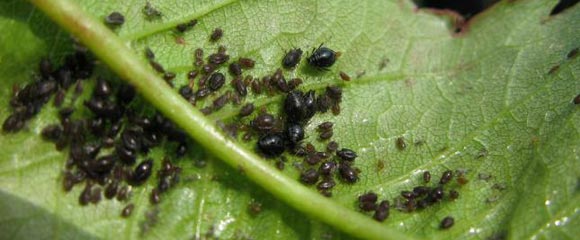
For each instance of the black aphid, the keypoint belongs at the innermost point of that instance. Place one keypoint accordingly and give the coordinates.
(168, 76)
(426, 176)
(294, 133)
(182, 27)
(218, 58)
(126, 212)
(401, 145)
(216, 81)
(157, 66)
(331, 147)
(155, 198)
(115, 19)
(235, 69)
(344, 76)
(325, 126)
(347, 173)
(326, 184)
(453, 194)
(309, 176)
(240, 86)
(142, 171)
(292, 58)
(198, 57)
(111, 189)
(446, 177)
(102, 88)
(382, 211)
(246, 110)
(216, 34)
(149, 53)
(246, 63)
(220, 102)
(447, 222)
(264, 122)
(577, 99)
(52, 132)
(151, 12)
(322, 58)
(327, 168)
(271, 145)
(407, 194)
(346, 154)
(367, 201)
(85, 196)
(326, 135)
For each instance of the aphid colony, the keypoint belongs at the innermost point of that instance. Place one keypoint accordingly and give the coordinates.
(420, 197)
(107, 149)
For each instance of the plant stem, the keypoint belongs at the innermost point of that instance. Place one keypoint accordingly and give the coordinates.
(133, 69)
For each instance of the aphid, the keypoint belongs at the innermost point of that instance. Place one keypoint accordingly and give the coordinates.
(426, 176)
(67, 181)
(156, 66)
(206, 110)
(222, 49)
(95, 195)
(125, 94)
(246, 63)
(111, 189)
(235, 69)
(198, 53)
(208, 68)
(186, 92)
(256, 87)
(181, 150)
(447, 222)
(155, 198)
(420, 191)
(186, 26)
(294, 83)
(123, 193)
(294, 106)
(383, 63)
(216, 34)
(271, 145)
(401, 145)
(327, 168)
(220, 102)
(446, 177)
(322, 58)
(309, 104)
(280, 165)
(382, 211)
(131, 139)
(461, 179)
(334, 92)
(347, 173)
(292, 58)
(312, 159)
(332, 146)
(168, 76)
(142, 171)
(294, 133)
(437, 194)
(407, 194)
(453, 194)
(264, 122)
(246, 110)
(103, 164)
(218, 58)
(309, 176)
(282, 84)
(45, 67)
(573, 53)
(149, 54)
(326, 135)
(216, 81)
(126, 212)
(102, 88)
(115, 19)
(202, 93)
(367, 201)
(344, 76)
(254, 208)
(52, 132)
(346, 154)
(85, 196)
(240, 86)
(325, 126)
(577, 99)
(150, 12)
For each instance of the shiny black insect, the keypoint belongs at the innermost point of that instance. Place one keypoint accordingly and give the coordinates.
(401, 145)
(142, 171)
(447, 222)
(309, 176)
(235, 69)
(327, 168)
(382, 211)
(294, 133)
(322, 58)
(216, 34)
(346, 154)
(426, 176)
(367, 201)
(126, 212)
(155, 198)
(216, 81)
(292, 58)
(111, 189)
(347, 173)
(115, 19)
(446, 177)
(271, 145)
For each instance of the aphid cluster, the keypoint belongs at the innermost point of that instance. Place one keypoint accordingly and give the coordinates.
(420, 197)
(107, 149)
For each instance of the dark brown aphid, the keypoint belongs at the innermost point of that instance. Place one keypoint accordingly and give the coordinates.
(52, 132)
(216, 81)
(382, 211)
(142, 171)
(216, 34)
(326, 184)
(186, 26)
(246, 110)
(198, 57)
(573, 53)
(325, 126)
(206, 110)
(149, 54)
(264, 122)
(123, 193)
(577, 99)
(294, 83)
(367, 201)
(85, 196)
(256, 87)
(346, 154)
(157, 66)
(447, 222)
(420, 191)
(292, 58)
(309, 176)
(151, 12)
(115, 19)
(95, 195)
(111, 189)
(155, 198)
(453, 194)
(220, 102)
(218, 58)
(202, 93)
(407, 194)
(437, 194)
(168, 76)
(401, 144)
(254, 208)
(246, 63)
(235, 69)
(347, 173)
(327, 168)
(332, 146)
(426, 176)
(240, 86)
(554, 69)
(68, 181)
(208, 68)
(126, 212)
(59, 98)
(344, 76)
(446, 177)
(326, 135)
(335, 109)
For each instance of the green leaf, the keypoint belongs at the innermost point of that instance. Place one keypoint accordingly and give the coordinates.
(485, 102)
